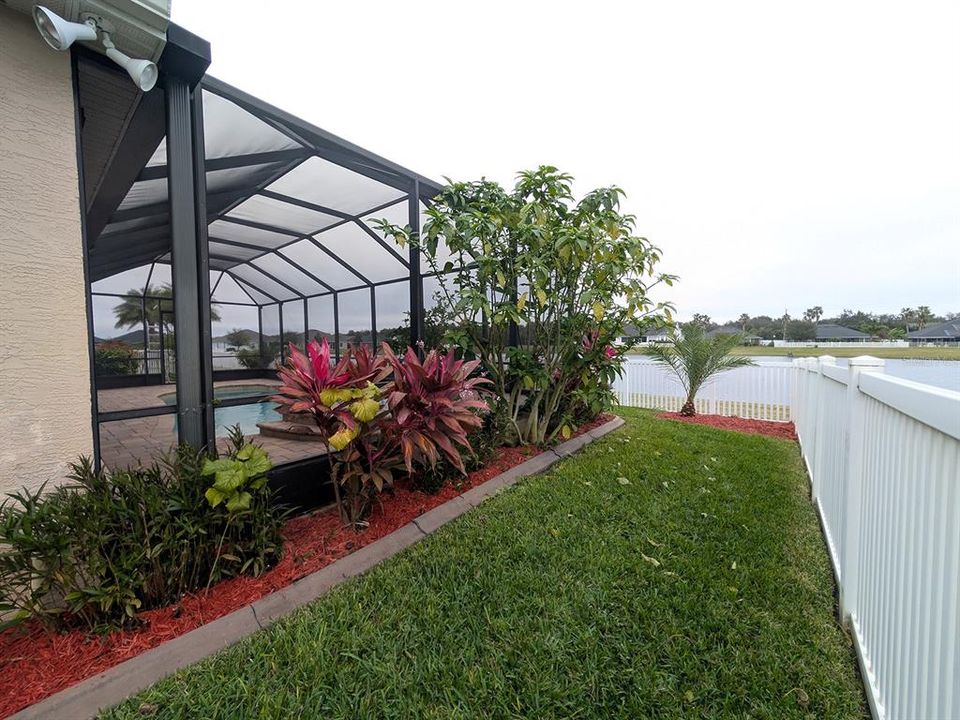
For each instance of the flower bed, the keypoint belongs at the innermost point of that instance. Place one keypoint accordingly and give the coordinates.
(35, 663)
(782, 430)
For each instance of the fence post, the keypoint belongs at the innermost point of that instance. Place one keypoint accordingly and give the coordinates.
(854, 481)
(815, 457)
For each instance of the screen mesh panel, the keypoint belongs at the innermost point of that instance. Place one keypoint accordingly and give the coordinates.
(308, 256)
(273, 180)
(322, 182)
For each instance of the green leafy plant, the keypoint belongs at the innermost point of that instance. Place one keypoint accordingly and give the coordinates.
(695, 358)
(115, 358)
(555, 268)
(96, 551)
(237, 475)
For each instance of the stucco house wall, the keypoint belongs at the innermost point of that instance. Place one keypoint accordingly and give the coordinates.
(44, 366)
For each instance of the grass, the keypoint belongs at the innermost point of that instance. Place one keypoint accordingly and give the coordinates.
(668, 571)
(890, 353)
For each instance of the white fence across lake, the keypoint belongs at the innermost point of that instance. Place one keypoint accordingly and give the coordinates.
(883, 455)
(760, 392)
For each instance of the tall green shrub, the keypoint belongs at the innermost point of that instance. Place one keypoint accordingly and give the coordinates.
(115, 358)
(560, 269)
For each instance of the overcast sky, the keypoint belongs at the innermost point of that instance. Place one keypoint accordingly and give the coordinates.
(781, 155)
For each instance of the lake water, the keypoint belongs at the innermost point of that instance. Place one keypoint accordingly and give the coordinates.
(941, 373)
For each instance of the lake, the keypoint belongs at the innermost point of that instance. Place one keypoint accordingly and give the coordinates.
(941, 373)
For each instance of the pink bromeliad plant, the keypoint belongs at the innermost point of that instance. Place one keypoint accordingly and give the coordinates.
(344, 401)
(433, 406)
(379, 414)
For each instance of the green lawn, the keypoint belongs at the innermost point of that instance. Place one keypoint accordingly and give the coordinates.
(669, 571)
(890, 353)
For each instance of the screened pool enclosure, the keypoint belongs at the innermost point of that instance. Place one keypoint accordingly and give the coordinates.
(241, 228)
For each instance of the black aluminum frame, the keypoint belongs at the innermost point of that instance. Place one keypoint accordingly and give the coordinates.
(191, 209)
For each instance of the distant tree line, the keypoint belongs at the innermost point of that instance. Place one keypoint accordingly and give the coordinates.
(884, 326)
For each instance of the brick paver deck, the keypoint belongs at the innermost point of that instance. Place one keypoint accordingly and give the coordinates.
(124, 443)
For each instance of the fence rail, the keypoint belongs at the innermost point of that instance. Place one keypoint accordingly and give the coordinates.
(884, 459)
(883, 455)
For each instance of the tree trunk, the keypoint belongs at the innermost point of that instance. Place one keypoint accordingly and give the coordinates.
(688, 409)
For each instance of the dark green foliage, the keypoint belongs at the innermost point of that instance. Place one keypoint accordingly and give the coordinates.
(94, 552)
(670, 571)
(115, 358)
(535, 257)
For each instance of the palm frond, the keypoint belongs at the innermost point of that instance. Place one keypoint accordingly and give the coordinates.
(695, 358)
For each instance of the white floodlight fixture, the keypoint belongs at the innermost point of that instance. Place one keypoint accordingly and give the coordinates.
(60, 34)
(143, 72)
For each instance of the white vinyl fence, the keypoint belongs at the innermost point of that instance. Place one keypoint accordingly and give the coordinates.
(759, 392)
(884, 459)
(883, 455)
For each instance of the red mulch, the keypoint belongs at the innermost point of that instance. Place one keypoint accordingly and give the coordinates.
(35, 663)
(782, 430)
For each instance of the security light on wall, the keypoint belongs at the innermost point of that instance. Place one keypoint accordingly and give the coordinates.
(143, 72)
(60, 34)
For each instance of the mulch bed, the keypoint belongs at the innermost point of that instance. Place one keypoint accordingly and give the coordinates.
(35, 663)
(782, 430)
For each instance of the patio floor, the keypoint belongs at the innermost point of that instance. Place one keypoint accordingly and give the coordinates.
(124, 443)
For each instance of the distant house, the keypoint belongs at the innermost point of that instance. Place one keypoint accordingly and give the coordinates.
(828, 332)
(633, 335)
(937, 334)
(735, 330)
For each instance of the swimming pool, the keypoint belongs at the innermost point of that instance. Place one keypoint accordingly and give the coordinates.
(246, 416)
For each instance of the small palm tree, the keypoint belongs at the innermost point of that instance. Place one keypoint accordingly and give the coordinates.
(695, 358)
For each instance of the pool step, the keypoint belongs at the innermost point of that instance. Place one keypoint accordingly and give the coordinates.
(290, 431)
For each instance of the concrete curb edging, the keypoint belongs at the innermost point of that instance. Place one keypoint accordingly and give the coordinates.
(113, 686)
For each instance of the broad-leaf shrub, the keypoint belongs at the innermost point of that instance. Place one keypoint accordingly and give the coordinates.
(115, 358)
(96, 551)
(235, 478)
(344, 401)
(557, 268)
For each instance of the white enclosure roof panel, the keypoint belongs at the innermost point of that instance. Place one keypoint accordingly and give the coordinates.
(245, 234)
(314, 260)
(230, 130)
(293, 218)
(322, 182)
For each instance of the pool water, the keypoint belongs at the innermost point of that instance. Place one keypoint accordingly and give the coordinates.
(246, 416)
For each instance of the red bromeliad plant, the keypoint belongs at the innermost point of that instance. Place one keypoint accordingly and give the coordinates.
(344, 401)
(433, 406)
(430, 407)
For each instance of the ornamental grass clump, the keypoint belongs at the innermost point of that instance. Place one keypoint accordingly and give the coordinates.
(380, 415)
